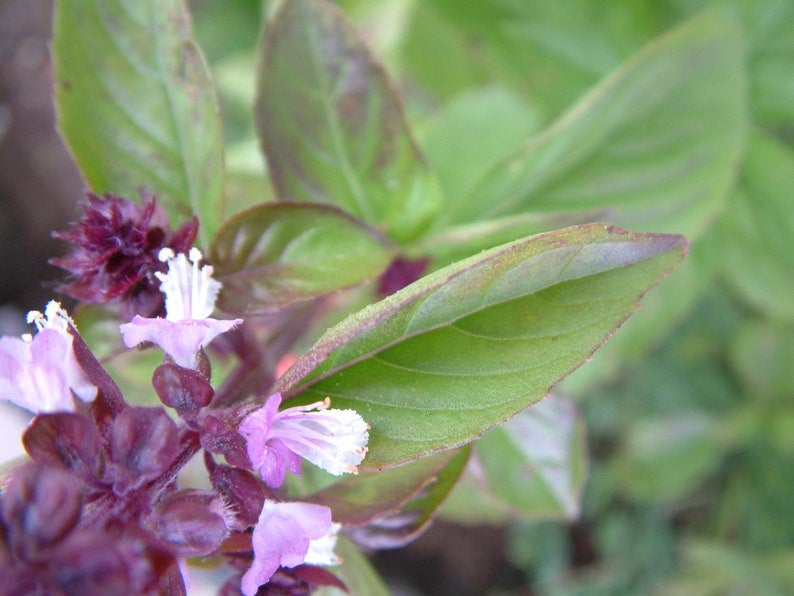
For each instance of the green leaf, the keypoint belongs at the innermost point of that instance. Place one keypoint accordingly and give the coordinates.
(473, 132)
(769, 27)
(553, 51)
(537, 461)
(761, 355)
(332, 126)
(667, 458)
(136, 104)
(656, 142)
(661, 313)
(467, 347)
(759, 227)
(404, 526)
(362, 499)
(275, 254)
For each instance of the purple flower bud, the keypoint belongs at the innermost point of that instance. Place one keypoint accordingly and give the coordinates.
(219, 435)
(118, 242)
(192, 522)
(143, 443)
(183, 389)
(39, 506)
(244, 494)
(66, 440)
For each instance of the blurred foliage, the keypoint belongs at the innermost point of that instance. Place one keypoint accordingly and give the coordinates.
(689, 411)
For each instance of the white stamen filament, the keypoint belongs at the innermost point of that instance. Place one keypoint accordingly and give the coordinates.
(54, 317)
(190, 290)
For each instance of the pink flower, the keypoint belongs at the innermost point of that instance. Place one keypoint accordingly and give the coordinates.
(190, 295)
(334, 440)
(288, 535)
(41, 373)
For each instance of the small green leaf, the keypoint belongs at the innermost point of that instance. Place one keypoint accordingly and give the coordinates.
(332, 126)
(656, 142)
(536, 462)
(275, 254)
(467, 347)
(360, 500)
(390, 508)
(136, 105)
(759, 227)
(404, 526)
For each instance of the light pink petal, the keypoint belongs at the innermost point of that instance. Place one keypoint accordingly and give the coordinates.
(282, 537)
(181, 340)
(41, 375)
(14, 358)
(334, 440)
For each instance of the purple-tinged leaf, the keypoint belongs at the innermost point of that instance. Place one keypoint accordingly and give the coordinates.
(275, 254)
(67, 440)
(395, 530)
(143, 443)
(332, 126)
(471, 345)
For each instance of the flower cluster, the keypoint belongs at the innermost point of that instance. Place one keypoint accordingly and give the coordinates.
(99, 508)
(116, 260)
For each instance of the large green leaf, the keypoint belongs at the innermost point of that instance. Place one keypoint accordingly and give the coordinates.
(537, 462)
(769, 27)
(472, 132)
(136, 105)
(657, 141)
(759, 228)
(467, 347)
(332, 126)
(552, 50)
(278, 253)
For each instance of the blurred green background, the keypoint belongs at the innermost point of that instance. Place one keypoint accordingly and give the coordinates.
(689, 411)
